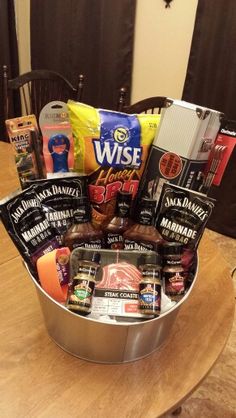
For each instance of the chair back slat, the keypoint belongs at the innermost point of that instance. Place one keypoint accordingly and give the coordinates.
(150, 105)
(80, 88)
(39, 87)
(26, 100)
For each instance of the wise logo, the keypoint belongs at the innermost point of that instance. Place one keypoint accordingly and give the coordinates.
(119, 143)
(121, 135)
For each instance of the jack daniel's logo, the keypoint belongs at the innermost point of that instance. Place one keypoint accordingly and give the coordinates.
(23, 207)
(187, 204)
(183, 214)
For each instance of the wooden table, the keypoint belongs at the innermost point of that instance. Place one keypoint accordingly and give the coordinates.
(38, 379)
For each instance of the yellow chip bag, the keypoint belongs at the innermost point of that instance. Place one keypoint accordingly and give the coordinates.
(111, 148)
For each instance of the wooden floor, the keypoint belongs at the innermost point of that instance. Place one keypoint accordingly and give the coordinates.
(216, 397)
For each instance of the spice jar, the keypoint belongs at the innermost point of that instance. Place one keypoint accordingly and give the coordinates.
(173, 271)
(150, 285)
(81, 287)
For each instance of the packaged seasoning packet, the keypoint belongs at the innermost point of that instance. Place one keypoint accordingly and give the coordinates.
(111, 148)
(27, 225)
(56, 197)
(58, 142)
(24, 138)
(182, 215)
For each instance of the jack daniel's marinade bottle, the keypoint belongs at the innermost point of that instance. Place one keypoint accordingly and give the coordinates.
(120, 222)
(143, 234)
(82, 233)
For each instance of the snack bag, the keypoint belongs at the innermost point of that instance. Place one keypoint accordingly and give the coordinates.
(182, 215)
(26, 223)
(23, 136)
(57, 196)
(111, 148)
(58, 149)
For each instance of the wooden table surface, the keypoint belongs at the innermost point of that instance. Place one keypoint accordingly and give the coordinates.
(38, 379)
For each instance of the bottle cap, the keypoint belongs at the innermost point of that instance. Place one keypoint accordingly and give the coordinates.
(123, 196)
(81, 209)
(172, 248)
(81, 200)
(123, 203)
(146, 212)
(150, 259)
(148, 202)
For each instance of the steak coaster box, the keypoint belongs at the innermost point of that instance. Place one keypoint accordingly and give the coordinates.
(181, 147)
(117, 284)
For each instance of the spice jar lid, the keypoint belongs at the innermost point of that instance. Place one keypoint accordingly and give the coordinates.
(150, 259)
(172, 248)
(92, 256)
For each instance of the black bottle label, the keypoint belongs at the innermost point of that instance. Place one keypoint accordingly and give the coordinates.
(114, 241)
(139, 245)
(123, 209)
(150, 297)
(82, 214)
(146, 216)
(174, 284)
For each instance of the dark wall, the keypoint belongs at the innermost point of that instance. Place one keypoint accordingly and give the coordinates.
(8, 52)
(93, 37)
(211, 81)
(211, 74)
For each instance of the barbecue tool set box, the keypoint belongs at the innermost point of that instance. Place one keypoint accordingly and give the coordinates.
(109, 217)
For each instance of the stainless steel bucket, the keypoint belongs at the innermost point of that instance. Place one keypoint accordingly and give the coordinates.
(105, 342)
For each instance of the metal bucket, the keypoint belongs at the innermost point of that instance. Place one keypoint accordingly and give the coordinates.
(102, 342)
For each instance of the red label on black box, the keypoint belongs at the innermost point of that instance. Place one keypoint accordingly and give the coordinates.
(170, 165)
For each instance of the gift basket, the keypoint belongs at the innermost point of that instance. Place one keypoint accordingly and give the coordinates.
(108, 220)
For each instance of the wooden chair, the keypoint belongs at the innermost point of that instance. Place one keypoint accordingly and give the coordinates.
(37, 88)
(149, 105)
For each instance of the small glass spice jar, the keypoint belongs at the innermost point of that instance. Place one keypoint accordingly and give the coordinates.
(150, 285)
(173, 271)
(81, 287)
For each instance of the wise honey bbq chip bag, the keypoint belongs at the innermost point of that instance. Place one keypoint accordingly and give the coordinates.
(111, 148)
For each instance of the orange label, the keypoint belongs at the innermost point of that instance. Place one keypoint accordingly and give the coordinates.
(131, 307)
(170, 165)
